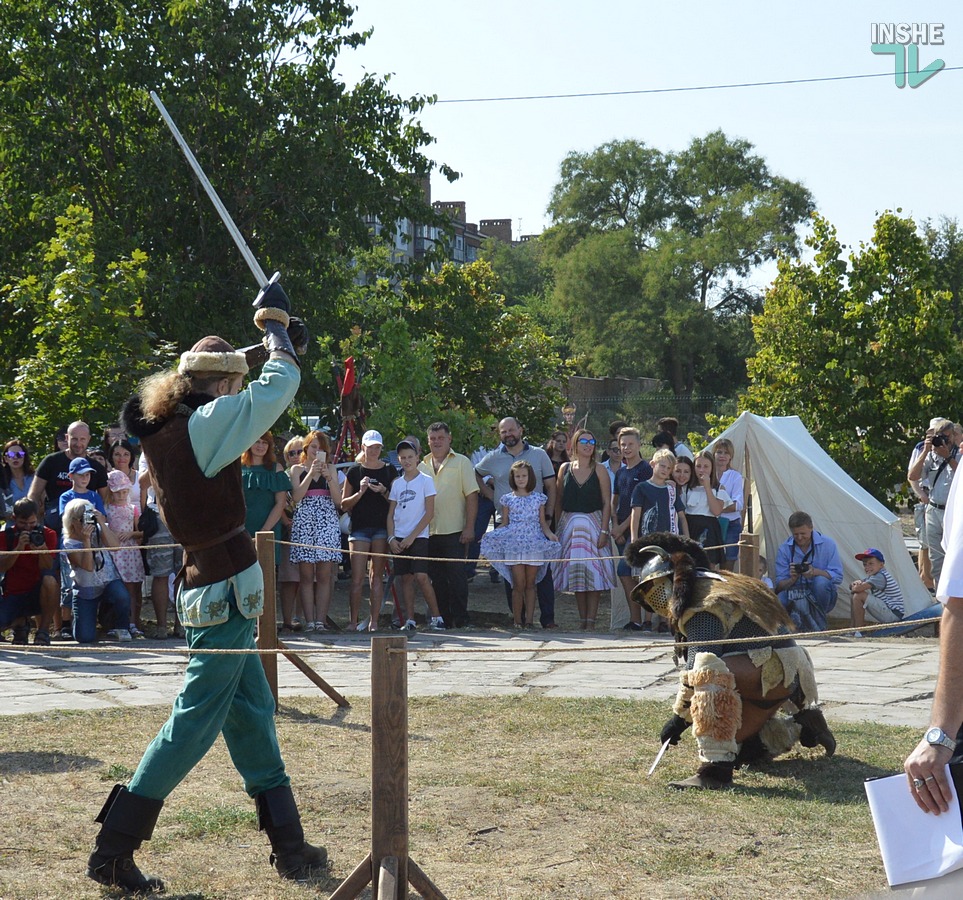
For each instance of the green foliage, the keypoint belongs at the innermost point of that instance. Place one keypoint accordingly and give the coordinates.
(89, 341)
(446, 347)
(650, 252)
(302, 161)
(861, 348)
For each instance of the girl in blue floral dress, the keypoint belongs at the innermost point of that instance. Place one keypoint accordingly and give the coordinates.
(521, 549)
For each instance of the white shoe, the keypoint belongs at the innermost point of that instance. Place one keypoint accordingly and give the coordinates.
(437, 624)
(119, 634)
(857, 634)
(309, 627)
(363, 626)
(411, 625)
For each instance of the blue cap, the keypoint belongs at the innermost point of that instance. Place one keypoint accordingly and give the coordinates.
(80, 465)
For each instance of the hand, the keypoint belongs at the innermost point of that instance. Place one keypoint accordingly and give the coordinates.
(273, 297)
(22, 541)
(299, 334)
(468, 535)
(392, 543)
(928, 764)
(602, 542)
(87, 531)
(673, 730)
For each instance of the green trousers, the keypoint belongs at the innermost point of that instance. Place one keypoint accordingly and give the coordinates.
(222, 694)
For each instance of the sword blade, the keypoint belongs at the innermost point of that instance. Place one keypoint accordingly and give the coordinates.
(252, 263)
(658, 757)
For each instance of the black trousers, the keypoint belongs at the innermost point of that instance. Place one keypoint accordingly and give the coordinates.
(449, 579)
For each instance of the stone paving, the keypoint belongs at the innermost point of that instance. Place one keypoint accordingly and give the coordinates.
(888, 680)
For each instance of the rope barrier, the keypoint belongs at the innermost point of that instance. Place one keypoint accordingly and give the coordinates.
(303, 649)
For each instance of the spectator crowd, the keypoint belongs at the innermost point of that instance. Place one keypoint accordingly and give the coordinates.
(84, 543)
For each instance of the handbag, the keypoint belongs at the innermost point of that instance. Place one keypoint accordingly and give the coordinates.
(149, 523)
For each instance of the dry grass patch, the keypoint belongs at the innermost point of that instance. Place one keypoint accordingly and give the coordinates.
(509, 798)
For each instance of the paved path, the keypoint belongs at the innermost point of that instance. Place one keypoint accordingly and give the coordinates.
(884, 680)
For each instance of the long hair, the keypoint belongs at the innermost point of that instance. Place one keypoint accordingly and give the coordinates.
(324, 445)
(575, 438)
(27, 465)
(270, 462)
(713, 478)
(160, 393)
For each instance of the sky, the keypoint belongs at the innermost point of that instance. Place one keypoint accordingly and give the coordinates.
(861, 146)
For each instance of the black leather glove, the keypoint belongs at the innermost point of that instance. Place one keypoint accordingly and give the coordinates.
(258, 354)
(276, 338)
(273, 296)
(673, 730)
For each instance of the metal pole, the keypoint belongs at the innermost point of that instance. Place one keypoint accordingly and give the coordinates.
(252, 263)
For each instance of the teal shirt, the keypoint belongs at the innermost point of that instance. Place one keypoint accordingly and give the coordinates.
(220, 431)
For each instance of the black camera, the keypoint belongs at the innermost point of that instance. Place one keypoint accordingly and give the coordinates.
(800, 568)
(37, 538)
(939, 440)
(90, 515)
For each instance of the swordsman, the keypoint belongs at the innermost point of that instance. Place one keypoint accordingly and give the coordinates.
(193, 424)
(732, 693)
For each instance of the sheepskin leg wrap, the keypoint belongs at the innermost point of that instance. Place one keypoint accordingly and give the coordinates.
(683, 699)
(780, 734)
(716, 709)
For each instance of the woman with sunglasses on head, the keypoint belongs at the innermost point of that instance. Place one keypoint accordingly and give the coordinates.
(583, 510)
(16, 474)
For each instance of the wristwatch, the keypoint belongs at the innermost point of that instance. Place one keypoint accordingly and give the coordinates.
(936, 737)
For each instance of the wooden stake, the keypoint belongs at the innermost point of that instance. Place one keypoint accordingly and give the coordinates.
(267, 629)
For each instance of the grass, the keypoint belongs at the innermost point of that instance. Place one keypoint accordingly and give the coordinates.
(523, 797)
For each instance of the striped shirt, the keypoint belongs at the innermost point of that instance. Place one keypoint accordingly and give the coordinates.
(884, 586)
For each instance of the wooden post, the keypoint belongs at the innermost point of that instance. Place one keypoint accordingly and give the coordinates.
(389, 759)
(749, 554)
(267, 624)
(387, 868)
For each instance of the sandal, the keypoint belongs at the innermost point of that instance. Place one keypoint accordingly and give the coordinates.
(41, 639)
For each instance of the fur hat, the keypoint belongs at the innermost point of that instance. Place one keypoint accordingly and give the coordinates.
(212, 354)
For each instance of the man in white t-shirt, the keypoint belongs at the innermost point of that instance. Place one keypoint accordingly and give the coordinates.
(411, 507)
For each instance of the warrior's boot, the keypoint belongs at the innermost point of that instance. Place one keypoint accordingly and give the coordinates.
(753, 751)
(815, 730)
(292, 855)
(126, 821)
(712, 776)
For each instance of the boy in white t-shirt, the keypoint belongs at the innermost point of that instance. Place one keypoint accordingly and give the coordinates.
(411, 507)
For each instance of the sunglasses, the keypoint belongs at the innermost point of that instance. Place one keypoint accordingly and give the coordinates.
(15, 454)
(294, 452)
(590, 441)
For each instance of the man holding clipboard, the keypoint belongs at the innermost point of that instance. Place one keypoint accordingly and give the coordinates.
(926, 765)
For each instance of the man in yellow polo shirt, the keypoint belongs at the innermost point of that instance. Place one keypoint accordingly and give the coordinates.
(453, 527)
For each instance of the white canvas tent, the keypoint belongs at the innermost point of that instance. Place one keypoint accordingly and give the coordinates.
(789, 471)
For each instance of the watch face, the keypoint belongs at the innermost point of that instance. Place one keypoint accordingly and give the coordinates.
(933, 735)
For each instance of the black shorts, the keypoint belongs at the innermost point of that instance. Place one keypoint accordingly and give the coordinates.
(404, 565)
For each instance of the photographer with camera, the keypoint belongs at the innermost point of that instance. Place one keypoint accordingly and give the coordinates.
(808, 574)
(932, 470)
(99, 592)
(30, 587)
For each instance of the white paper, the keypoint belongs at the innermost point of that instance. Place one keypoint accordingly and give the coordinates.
(915, 845)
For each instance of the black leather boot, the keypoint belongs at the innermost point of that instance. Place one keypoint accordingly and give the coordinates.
(815, 730)
(711, 776)
(126, 821)
(292, 855)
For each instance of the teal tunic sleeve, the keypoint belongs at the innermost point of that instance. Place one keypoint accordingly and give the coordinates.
(223, 429)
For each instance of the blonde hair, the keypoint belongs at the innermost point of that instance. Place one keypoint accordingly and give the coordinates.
(664, 453)
(73, 512)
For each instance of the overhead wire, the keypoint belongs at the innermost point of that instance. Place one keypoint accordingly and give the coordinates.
(677, 90)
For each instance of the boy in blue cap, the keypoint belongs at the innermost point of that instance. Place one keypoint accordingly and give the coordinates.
(877, 594)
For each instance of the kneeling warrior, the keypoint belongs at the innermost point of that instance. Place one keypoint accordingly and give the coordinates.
(194, 423)
(731, 693)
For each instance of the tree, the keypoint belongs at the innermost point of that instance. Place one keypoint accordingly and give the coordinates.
(447, 347)
(90, 342)
(860, 348)
(303, 162)
(679, 232)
